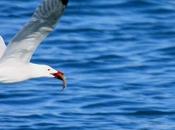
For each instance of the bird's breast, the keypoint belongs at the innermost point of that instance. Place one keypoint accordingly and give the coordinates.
(12, 73)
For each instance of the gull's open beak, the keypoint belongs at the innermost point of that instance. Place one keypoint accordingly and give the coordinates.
(60, 75)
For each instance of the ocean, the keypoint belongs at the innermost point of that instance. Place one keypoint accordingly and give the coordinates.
(119, 60)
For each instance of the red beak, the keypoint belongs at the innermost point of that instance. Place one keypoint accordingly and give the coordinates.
(60, 75)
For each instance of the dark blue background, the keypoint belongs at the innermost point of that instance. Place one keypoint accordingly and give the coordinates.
(119, 59)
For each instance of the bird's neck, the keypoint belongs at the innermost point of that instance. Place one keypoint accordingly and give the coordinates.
(37, 71)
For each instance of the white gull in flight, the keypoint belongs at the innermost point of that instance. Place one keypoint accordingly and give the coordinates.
(15, 59)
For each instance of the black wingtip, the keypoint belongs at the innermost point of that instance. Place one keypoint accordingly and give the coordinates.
(65, 2)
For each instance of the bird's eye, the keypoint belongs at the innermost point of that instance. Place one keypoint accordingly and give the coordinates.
(48, 69)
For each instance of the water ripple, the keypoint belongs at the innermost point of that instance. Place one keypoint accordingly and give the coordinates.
(118, 57)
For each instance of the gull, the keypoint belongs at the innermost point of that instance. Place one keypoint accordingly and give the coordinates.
(15, 65)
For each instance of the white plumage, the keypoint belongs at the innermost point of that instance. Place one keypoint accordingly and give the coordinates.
(2, 46)
(15, 59)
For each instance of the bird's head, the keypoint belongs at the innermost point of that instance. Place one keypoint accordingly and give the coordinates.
(47, 71)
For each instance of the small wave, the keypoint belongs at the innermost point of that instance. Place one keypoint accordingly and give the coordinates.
(151, 113)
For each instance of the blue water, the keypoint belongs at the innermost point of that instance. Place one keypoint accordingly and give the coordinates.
(119, 59)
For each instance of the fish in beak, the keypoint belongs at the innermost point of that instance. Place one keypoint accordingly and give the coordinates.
(59, 75)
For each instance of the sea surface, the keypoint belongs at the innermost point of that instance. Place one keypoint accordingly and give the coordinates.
(119, 60)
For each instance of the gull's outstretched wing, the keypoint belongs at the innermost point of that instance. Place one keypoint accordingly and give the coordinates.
(2, 46)
(27, 40)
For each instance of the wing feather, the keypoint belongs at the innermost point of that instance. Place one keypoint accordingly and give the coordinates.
(35, 31)
(2, 46)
